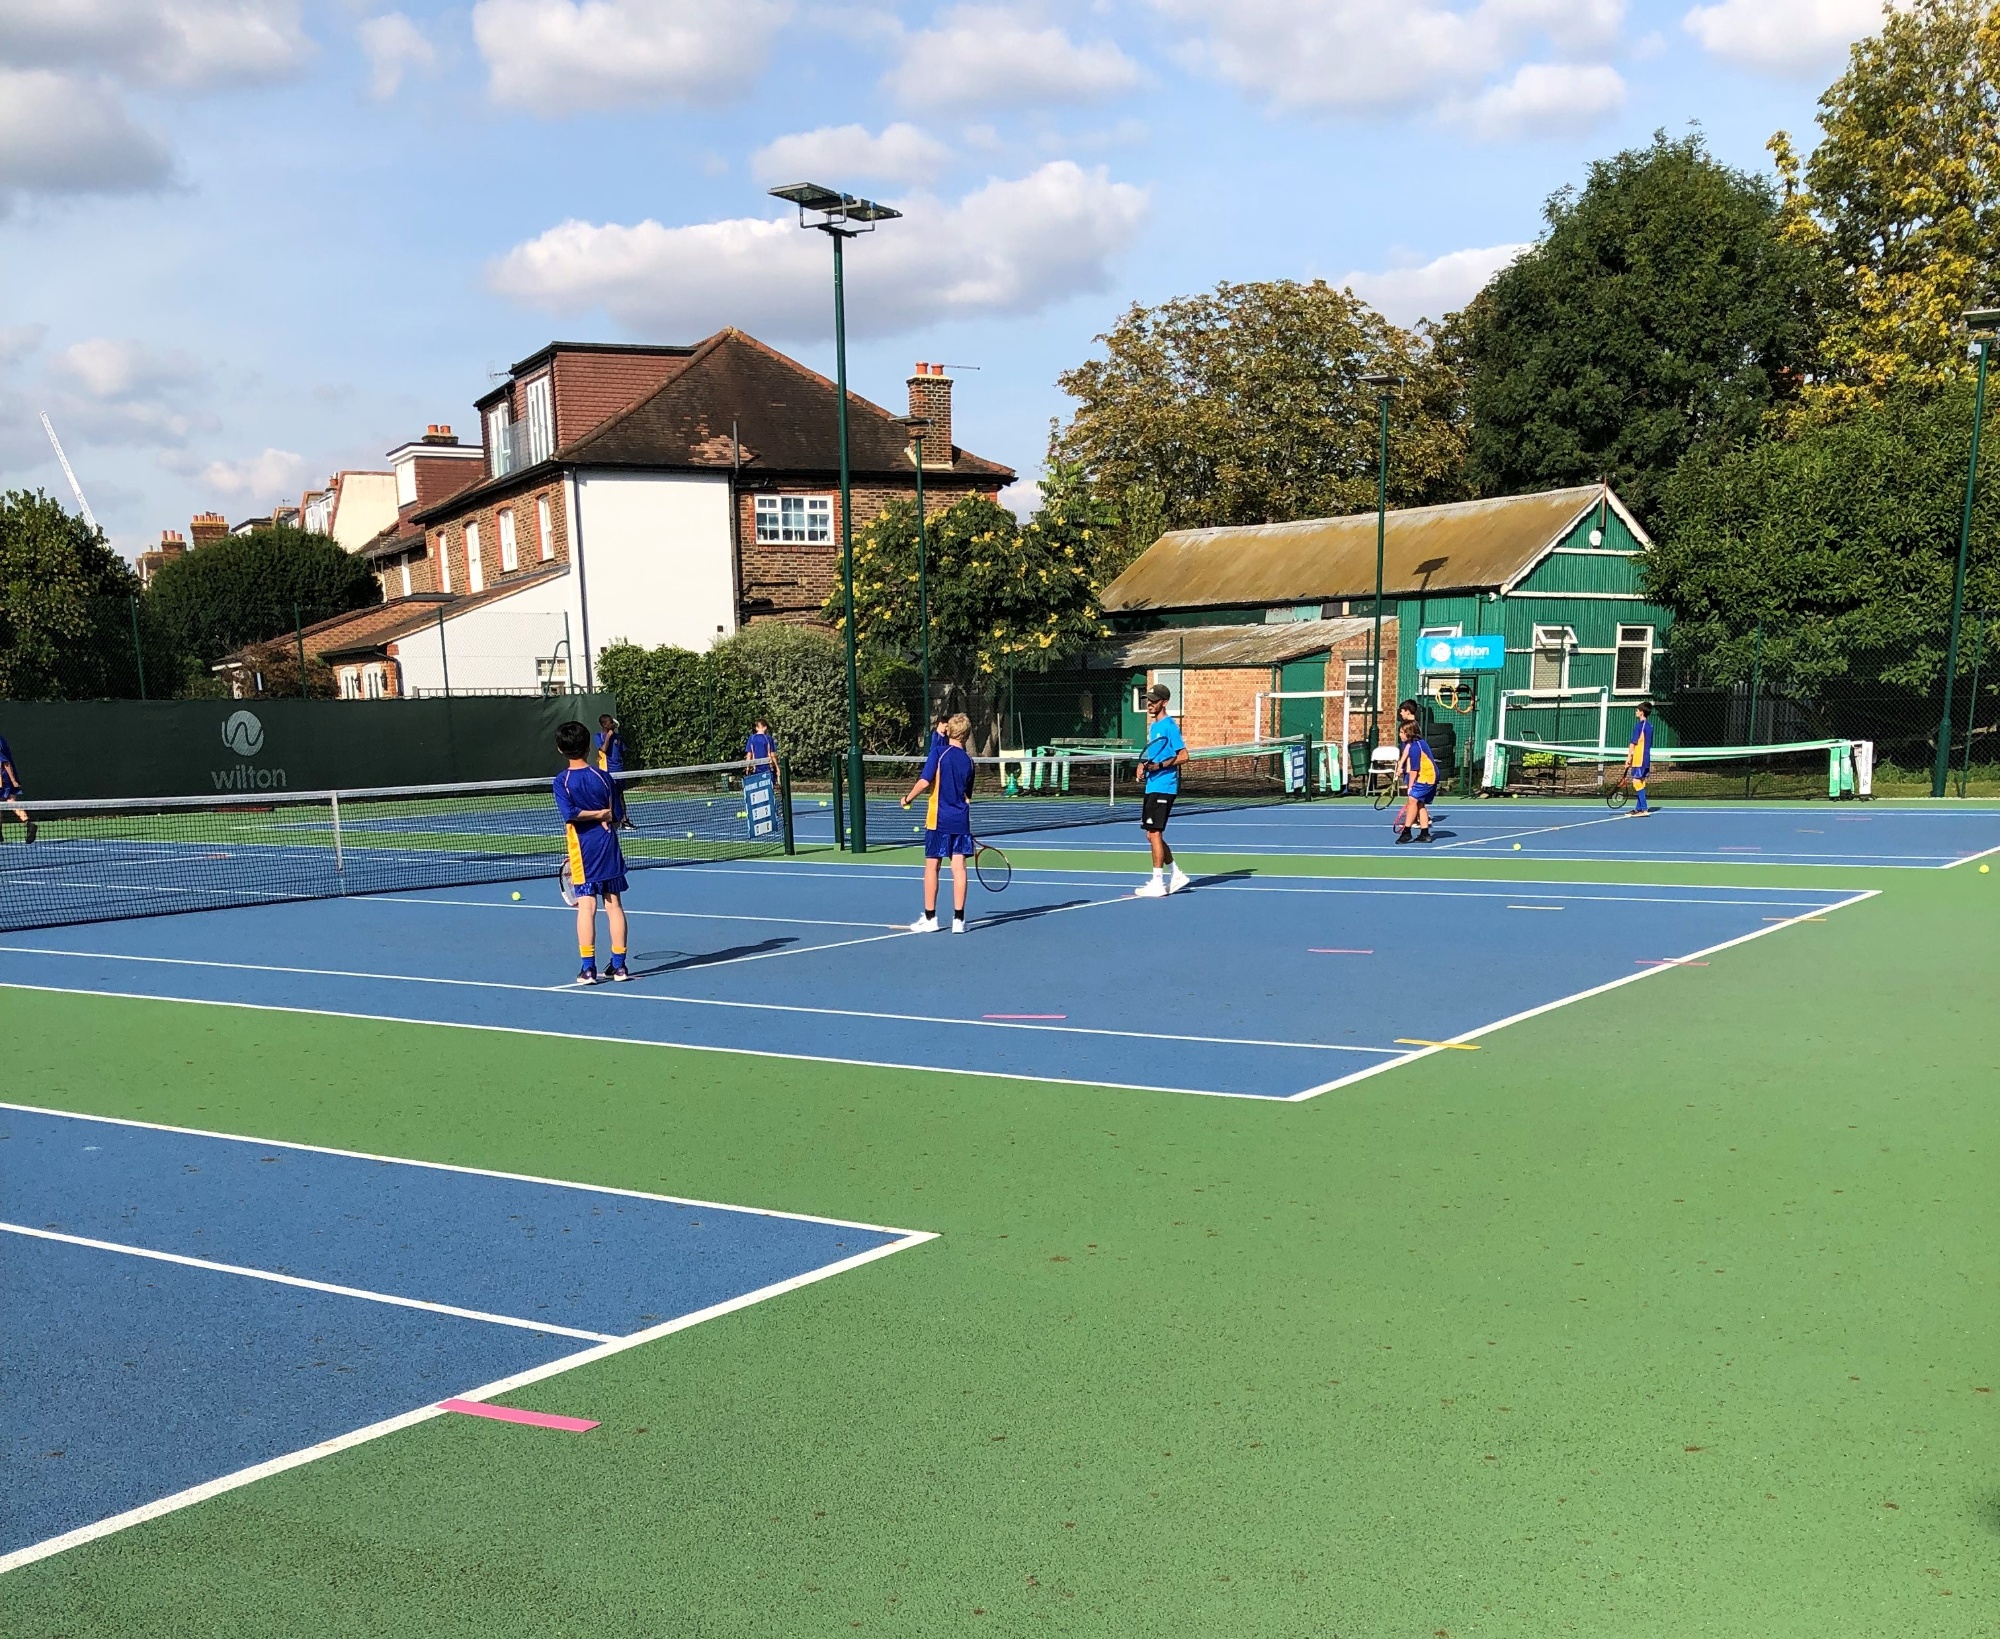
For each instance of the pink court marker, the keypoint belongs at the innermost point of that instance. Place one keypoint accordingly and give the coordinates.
(1332, 950)
(507, 1414)
(1024, 1015)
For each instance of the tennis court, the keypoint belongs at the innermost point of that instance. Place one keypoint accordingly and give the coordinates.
(1304, 986)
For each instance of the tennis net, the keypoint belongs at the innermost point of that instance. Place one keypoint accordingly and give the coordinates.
(1803, 768)
(95, 861)
(1046, 790)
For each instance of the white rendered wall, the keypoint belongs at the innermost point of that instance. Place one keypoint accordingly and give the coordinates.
(363, 508)
(494, 646)
(657, 566)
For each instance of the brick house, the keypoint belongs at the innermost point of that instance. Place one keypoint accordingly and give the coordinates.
(665, 495)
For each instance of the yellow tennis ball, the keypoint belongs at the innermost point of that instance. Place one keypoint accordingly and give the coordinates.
(517, 896)
(1984, 869)
(1517, 847)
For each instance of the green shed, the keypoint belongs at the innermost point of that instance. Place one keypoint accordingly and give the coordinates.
(1557, 573)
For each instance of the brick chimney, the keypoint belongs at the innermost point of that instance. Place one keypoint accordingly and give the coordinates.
(930, 395)
(171, 546)
(437, 433)
(205, 527)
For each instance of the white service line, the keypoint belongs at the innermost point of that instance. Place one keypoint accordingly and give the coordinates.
(1540, 830)
(565, 910)
(310, 1285)
(409, 1419)
(1581, 995)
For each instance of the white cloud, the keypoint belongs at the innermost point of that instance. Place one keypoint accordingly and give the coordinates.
(901, 153)
(272, 476)
(1430, 290)
(989, 56)
(186, 45)
(1011, 247)
(124, 392)
(1547, 99)
(571, 56)
(1785, 37)
(107, 369)
(1362, 56)
(393, 45)
(17, 341)
(63, 133)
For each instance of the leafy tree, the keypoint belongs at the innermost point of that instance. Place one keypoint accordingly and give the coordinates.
(1840, 543)
(66, 615)
(251, 588)
(1662, 311)
(677, 707)
(798, 679)
(1245, 405)
(1900, 200)
(276, 664)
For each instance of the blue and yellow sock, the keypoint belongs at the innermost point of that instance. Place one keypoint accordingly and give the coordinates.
(617, 958)
(589, 955)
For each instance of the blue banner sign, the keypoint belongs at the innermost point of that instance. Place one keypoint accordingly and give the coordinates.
(760, 805)
(1462, 654)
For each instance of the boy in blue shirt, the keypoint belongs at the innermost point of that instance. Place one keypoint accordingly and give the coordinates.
(1639, 756)
(1419, 774)
(592, 808)
(947, 777)
(760, 751)
(1160, 764)
(10, 788)
(610, 745)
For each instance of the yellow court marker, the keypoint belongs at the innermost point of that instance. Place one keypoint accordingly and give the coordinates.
(1462, 1046)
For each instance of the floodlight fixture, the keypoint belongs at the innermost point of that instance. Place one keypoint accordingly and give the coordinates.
(1385, 382)
(838, 209)
(1982, 318)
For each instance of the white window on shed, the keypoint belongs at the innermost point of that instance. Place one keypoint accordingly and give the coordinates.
(1634, 671)
(371, 683)
(1548, 666)
(350, 683)
(794, 519)
(544, 528)
(475, 570)
(1360, 682)
(510, 555)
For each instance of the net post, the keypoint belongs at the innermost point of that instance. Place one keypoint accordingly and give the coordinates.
(339, 855)
(839, 810)
(785, 800)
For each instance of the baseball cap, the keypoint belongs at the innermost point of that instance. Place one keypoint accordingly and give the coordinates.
(1159, 692)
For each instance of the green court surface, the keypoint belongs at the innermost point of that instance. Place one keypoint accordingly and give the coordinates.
(1668, 1312)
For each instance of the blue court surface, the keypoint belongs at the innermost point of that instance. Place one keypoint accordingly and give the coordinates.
(1821, 834)
(185, 1311)
(1275, 987)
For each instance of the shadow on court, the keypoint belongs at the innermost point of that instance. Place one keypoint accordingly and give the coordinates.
(679, 961)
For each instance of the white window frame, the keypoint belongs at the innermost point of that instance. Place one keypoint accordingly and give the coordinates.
(371, 683)
(475, 567)
(510, 552)
(794, 520)
(1356, 670)
(350, 683)
(545, 527)
(406, 574)
(444, 560)
(1546, 638)
(1644, 642)
(539, 418)
(499, 445)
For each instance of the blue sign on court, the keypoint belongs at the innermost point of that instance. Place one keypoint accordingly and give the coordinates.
(760, 805)
(1462, 654)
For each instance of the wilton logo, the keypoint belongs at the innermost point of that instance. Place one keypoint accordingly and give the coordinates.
(243, 734)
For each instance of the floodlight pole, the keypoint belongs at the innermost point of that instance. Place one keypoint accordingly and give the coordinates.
(1941, 766)
(1382, 384)
(857, 791)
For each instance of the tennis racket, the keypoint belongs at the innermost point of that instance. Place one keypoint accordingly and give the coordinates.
(1621, 791)
(991, 867)
(1385, 795)
(564, 886)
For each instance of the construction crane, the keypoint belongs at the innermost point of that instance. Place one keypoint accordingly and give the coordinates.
(76, 489)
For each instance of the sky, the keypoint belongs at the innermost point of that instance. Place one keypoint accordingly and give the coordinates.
(247, 243)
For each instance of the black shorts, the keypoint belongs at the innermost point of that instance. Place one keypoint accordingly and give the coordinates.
(1154, 807)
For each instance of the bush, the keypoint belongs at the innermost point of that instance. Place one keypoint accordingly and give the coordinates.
(798, 680)
(678, 707)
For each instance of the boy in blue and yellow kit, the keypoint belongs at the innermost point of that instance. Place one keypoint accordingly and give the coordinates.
(1419, 773)
(947, 776)
(1639, 756)
(592, 808)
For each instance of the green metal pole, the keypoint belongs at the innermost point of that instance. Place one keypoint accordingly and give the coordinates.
(1972, 702)
(857, 794)
(1381, 533)
(138, 649)
(1756, 669)
(1942, 766)
(923, 596)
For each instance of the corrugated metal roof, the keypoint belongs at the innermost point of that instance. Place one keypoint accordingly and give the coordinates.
(1232, 645)
(1465, 546)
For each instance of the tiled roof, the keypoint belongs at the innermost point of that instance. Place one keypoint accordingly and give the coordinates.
(782, 413)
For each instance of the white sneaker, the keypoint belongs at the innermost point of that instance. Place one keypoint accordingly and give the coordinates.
(958, 924)
(924, 924)
(1154, 887)
(1177, 881)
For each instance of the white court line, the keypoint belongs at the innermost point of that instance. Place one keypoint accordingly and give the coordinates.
(1564, 1001)
(409, 1419)
(1540, 830)
(633, 1041)
(310, 1285)
(685, 1001)
(1967, 859)
(564, 910)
